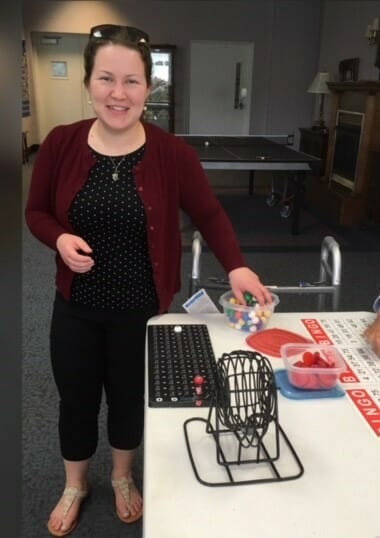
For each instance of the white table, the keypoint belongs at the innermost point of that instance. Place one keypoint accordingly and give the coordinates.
(338, 496)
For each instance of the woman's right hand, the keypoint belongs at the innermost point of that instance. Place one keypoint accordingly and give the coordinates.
(372, 334)
(75, 252)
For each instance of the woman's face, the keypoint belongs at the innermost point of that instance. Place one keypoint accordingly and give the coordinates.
(118, 88)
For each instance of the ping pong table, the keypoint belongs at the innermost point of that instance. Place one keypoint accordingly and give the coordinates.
(251, 153)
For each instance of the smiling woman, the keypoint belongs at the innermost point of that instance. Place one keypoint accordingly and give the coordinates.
(118, 94)
(118, 97)
(113, 224)
(88, 231)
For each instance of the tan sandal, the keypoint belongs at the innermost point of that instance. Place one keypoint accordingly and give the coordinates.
(69, 495)
(123, 485)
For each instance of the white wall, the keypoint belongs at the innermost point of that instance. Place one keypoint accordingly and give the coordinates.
(273, 25)
(344, 24)
(293, 38)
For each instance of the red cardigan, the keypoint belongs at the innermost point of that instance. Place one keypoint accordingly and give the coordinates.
(169, 178)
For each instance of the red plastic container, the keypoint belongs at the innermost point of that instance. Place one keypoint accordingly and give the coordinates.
(312, 366)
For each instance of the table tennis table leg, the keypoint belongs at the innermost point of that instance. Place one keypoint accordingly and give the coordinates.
(299, 180)
(251, 187)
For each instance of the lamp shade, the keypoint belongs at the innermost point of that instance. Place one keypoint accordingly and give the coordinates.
(319, 83)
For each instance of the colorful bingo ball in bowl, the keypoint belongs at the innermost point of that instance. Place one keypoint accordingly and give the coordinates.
(312, 366)
(250, 318)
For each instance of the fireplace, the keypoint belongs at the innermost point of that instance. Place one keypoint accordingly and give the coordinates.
(347, 139)
(342, 196)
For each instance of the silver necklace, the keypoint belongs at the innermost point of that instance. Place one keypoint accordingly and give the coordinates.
(115, 172)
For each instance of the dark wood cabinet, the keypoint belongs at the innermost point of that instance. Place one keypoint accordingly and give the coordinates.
(373, 200)
(314, 142)
(353, 205)
(348, 192)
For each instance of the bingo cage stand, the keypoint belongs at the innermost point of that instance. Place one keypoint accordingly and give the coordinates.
(328, 284)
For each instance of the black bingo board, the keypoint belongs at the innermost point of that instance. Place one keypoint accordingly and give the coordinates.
(176, 354)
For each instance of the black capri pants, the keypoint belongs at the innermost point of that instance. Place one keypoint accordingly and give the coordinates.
(91, 351)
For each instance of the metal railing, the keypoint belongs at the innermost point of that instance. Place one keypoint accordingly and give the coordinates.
(329, 282)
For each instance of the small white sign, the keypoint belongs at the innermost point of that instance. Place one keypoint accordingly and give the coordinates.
(200, 303)
(59, 69)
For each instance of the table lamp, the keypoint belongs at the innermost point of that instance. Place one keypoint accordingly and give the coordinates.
(319, 86)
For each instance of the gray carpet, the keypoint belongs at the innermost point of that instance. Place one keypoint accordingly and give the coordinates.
(264, 229)
(42, 469)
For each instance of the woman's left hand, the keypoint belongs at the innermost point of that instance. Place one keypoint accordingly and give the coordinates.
(243, 279)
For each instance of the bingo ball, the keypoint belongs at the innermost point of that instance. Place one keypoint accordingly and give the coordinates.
(251, 318)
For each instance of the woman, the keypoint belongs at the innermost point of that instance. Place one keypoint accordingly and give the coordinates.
(106, 194)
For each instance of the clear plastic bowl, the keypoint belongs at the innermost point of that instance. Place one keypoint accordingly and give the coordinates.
(247, 318)
(312, 366)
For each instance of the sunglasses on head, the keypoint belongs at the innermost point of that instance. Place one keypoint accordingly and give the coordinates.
(108, 31)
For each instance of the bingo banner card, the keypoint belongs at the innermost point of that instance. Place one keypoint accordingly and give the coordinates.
(361, 379)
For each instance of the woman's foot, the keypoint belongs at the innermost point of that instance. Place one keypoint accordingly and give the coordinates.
(129, 503)
(64, 517)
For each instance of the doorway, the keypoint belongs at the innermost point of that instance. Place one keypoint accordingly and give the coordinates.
(60, 95)
(220, 87)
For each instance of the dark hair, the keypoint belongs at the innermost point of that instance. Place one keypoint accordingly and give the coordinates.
(117, 35)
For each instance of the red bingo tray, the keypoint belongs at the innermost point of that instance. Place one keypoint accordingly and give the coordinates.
(269, 341)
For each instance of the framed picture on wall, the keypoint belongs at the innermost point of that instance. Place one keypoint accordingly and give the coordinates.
(348, 69)
(58, 69)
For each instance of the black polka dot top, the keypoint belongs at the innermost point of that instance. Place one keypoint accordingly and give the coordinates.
(109, 215)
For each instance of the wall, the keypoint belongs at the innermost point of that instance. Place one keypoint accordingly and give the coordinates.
(282, 30)
(344, 23)
(61, 17)
(293, 39)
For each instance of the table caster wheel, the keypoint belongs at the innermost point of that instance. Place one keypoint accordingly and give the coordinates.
(286, 211)
(273, 199)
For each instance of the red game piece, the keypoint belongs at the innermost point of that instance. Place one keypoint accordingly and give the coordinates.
(299, 379)
(327, 381)
(308, 358)
(199, 382)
